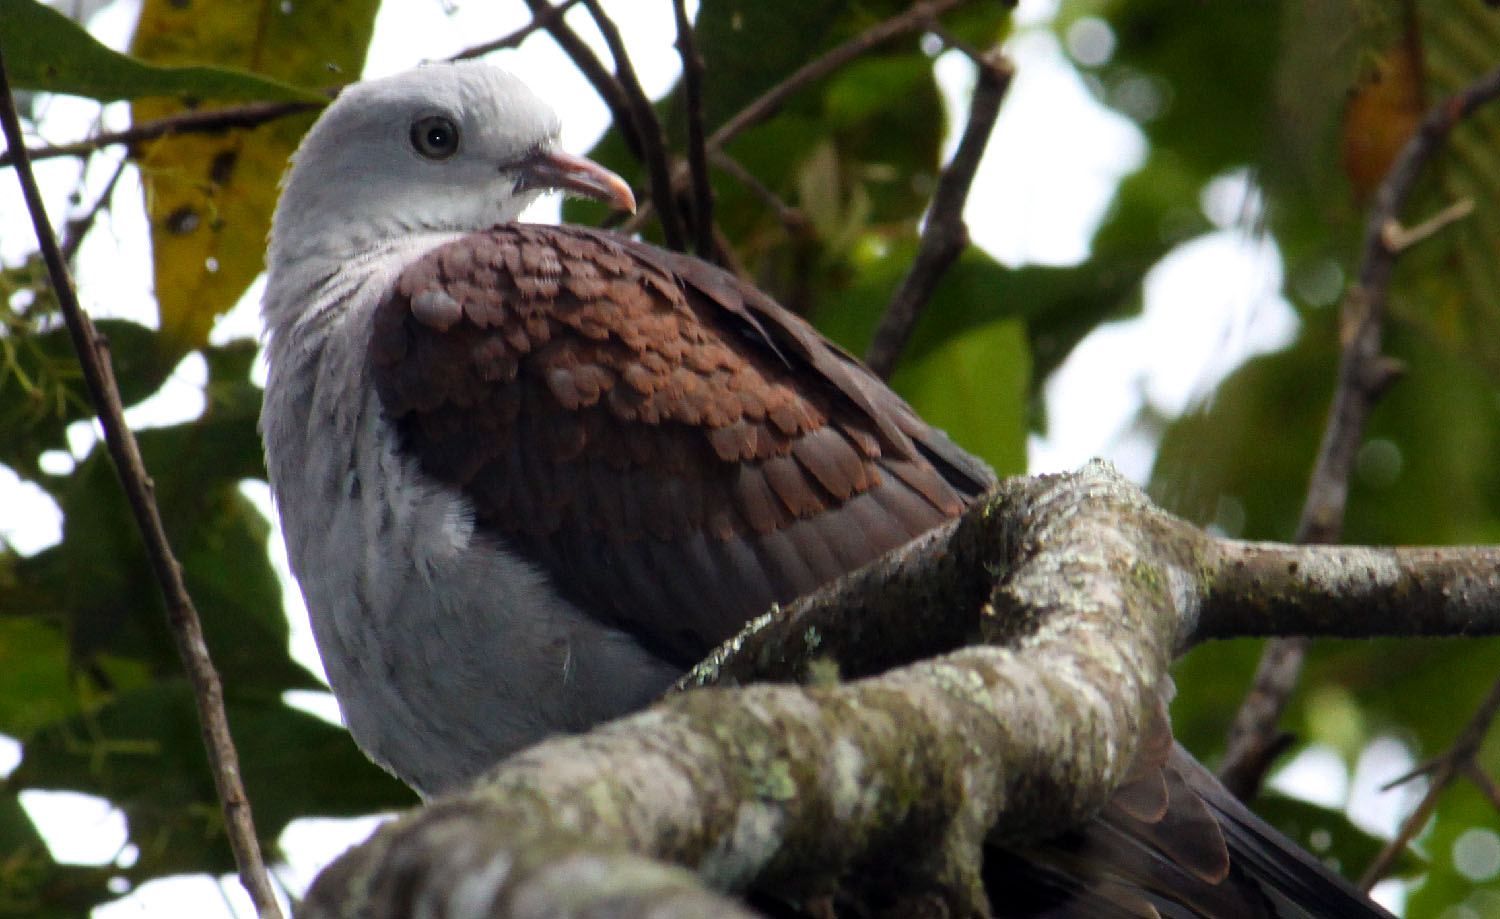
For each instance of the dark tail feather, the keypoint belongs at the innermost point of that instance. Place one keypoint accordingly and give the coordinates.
(1203, 856)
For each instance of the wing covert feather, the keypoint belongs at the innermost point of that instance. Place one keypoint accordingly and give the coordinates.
(676, 449)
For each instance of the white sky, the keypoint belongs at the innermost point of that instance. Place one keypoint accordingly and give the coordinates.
(1047, 178)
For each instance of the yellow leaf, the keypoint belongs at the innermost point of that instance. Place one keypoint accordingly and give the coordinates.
(209, 197)
(1383, 111)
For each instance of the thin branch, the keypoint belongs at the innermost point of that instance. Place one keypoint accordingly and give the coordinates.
(538, 21)
(98, 374)
(583, 57)
(1441, 771)
(791, 218)
(76, 228)
(922, 15)
(1399, 238)
(648, 129)
(250, 115)
(764, 106)
(945, 236)
(692, 86)
(1363, 375)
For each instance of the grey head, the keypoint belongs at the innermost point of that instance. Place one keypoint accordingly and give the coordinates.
(443, 147)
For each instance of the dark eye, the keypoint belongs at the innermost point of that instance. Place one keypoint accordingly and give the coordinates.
(435, 137)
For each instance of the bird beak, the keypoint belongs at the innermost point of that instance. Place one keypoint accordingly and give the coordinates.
(571, 174)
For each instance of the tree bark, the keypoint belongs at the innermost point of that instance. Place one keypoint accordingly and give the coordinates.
(1053, 609)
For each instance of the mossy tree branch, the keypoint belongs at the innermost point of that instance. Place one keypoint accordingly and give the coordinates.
(1071, 594)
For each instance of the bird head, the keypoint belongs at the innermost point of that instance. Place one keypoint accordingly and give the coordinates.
(446, 147)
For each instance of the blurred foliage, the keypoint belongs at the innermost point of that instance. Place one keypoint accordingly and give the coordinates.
(1316, 103)
(1311, 99)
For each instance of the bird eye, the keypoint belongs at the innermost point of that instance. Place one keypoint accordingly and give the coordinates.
(435, 137)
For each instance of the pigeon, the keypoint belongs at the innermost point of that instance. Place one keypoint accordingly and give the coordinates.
(529, 474)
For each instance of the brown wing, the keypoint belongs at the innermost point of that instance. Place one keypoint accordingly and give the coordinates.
(673, 447)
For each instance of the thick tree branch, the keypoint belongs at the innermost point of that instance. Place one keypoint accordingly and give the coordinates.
(93, 355)
(1349, 591)
(786, 788)
(946, 235)
(1255, 737)
(1077, 589)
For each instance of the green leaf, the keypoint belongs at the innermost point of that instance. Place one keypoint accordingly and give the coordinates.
(1463, 807)
(31, 883)
(143, 750)
(42, 389)
(975, 386)
(35, 687)
(103, 578)
(58, 55)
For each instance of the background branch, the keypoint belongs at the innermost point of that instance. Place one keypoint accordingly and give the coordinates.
(583, 57)
(1255, 738)
(205, 122)
(76, 228)
(93, 356)
(791, 218)
(692, 87)
(921, 15)
(653, 140)
(945, 235)
(765, 105)
(540, 20)
(1459, 760)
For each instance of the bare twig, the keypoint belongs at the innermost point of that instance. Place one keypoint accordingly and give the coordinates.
(692, 87)
(922, 15)
(648, 129)
(198, 122)
(1363, 375)
(583, 57)
(792, 218)
(946, 235)
(538, 21)
(1399, 238)
(93, 355)
(1442, 771)
(919, 16)
(78, 227)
